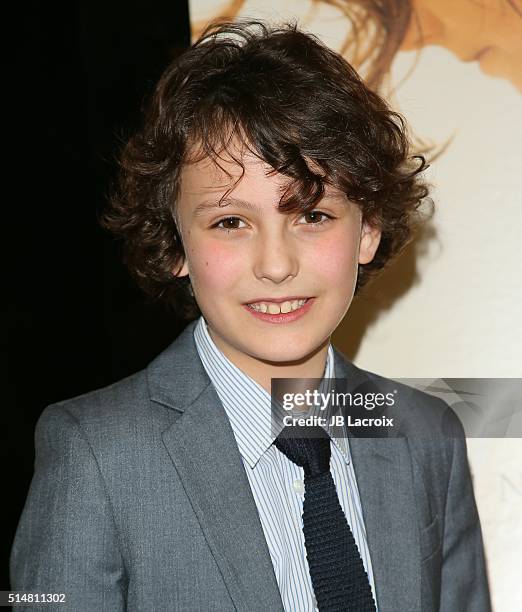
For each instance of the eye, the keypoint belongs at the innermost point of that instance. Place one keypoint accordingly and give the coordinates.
(313, 214)
(229, 223)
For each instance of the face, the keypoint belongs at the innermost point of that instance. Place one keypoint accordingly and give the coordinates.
(246, 251)
(489, 32)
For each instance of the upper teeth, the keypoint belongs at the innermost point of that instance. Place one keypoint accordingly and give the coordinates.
(273, 308)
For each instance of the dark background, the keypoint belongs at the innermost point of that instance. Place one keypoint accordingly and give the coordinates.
(75, 320)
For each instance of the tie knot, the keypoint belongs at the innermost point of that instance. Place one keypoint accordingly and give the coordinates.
(308, 447)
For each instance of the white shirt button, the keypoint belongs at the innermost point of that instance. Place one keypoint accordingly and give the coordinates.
(299, 486)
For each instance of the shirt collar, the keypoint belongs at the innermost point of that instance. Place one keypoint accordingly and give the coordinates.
(246, 403)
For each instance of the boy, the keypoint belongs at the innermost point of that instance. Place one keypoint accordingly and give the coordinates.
(266, 186)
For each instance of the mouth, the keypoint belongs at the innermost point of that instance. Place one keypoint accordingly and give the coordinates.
(280, 311)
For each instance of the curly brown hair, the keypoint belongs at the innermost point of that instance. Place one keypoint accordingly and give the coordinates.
(295, 103)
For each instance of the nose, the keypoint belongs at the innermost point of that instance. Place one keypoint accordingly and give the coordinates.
(276, 257)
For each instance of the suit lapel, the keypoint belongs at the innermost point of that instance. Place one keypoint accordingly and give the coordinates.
(383, 472)
(204, 452)
(384, 480)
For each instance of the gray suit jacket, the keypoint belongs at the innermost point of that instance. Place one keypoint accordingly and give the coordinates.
(140, 502)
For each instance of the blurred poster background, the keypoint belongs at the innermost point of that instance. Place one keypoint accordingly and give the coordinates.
(450, 305)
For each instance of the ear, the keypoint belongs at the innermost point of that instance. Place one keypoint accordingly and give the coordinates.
(184, 270)
(370, 238)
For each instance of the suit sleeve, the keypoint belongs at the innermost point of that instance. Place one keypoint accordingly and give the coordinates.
(66, 541)
(464, 575)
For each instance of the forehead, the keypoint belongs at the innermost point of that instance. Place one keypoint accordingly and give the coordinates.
(239, 170)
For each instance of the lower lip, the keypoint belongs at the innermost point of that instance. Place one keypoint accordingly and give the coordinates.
(287, 317)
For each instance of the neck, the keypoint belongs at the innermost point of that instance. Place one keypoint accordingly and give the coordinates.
(311, 366)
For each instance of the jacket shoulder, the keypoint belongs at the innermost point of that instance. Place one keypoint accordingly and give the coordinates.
(118, 416)
(126, 396)
(138, 408)
(419, 413)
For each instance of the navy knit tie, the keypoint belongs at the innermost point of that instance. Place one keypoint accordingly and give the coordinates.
(338, 576)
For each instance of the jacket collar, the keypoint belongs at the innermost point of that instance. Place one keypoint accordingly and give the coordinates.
(176, 376)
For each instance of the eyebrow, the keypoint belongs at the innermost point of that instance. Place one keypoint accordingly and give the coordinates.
(206, 205)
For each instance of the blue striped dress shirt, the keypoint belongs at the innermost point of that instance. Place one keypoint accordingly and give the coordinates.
(276, 482)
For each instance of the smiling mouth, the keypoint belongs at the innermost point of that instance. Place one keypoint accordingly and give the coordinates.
(278, 308)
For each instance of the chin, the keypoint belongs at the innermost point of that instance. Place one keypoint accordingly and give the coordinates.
(282, 354)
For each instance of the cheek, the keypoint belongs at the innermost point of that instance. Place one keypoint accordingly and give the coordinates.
(214, 267)
(336, 258)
